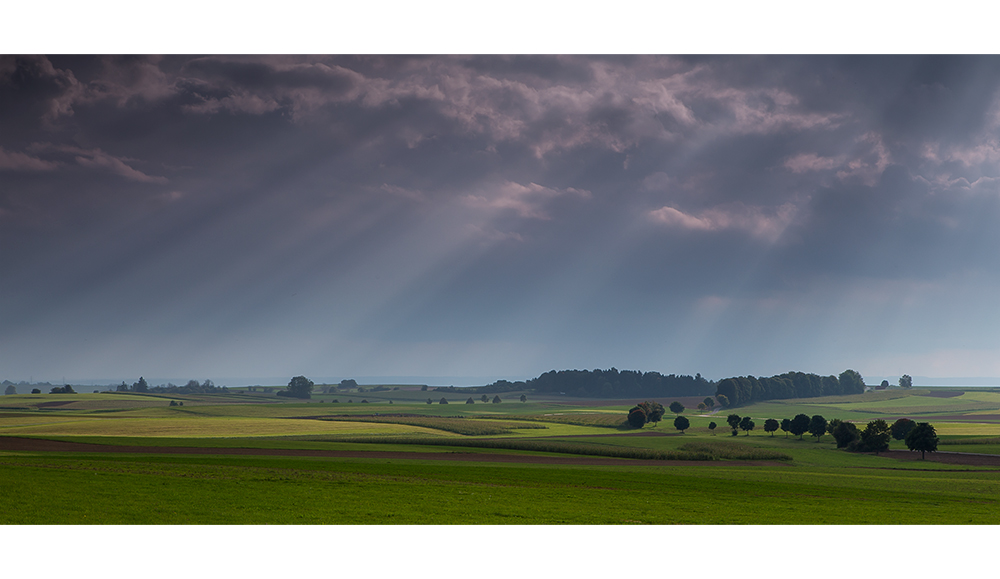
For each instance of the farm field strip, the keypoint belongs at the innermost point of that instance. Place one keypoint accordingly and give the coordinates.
(200, 427)
(173, 490)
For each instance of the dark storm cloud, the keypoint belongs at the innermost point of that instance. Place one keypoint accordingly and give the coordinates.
(529, 200)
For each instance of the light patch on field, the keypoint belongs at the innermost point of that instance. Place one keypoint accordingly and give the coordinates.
(977, 428)
(993, 397)
(209, 427)
(37, 420)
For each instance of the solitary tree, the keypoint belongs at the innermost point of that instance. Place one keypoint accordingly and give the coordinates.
(733, 420)
(923, 438)
(682, 423)
(701, 406)
(771, 425)
(875, 436)
(484, 398)
(901, 428)
(746, 424)
(676, 407)
(709, 403)
(524, 398)
(711, 427)
(429, 401)
(905, 381)
(800, 425)
(299, 387)
(786, 426)
(817, 426)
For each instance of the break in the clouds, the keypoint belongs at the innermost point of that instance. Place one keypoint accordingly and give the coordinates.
(498, 216)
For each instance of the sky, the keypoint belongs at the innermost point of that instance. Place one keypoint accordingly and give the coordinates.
(498, 216)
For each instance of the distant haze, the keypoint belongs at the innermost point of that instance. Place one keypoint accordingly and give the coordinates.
(498, 217)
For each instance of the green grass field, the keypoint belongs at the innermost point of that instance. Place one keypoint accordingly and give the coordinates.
(755, 479)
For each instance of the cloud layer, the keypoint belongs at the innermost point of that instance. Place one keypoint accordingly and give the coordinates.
(580, 211)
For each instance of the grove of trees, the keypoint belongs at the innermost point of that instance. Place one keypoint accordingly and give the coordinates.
(643, 412)
(611, 383)
(739, 391)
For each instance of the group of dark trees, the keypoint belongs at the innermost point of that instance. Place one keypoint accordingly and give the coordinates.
(737, 422)
(873, 438)
(192, 387)
(644, 412)
(739, 391)
(611, 383)
(298, 387)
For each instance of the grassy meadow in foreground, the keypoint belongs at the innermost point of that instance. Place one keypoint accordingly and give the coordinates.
(746, 479)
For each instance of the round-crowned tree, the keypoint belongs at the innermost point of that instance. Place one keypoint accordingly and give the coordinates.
(901, 428)
(485, 398)
(711, 427)
(637, 417)
(682, 423)
(746, 424)
(845, 433)
(875, 436)
(709, 403)
(817, 426)
(300, 387)
(771, 425)
(800, 425)
(676, 407)
(923, 437)
(786, 426)
(524, 398)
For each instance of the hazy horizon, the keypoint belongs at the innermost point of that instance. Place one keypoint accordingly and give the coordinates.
(498, 216)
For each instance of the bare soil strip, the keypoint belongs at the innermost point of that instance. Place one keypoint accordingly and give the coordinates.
(962, 458)
(10, 443)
